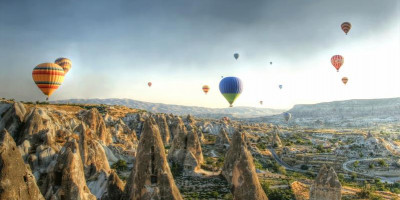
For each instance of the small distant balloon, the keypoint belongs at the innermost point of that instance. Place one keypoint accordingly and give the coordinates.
(270, 63)
(222, 76)
(261, 102)
(280, 87)
(287, 116)
(236, 56)
(346, 26)
(206, 88)
(344, 80)
(149, 84)
(337, 61)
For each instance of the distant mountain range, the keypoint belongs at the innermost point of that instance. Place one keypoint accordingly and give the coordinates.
(348, 113)
(234, 112)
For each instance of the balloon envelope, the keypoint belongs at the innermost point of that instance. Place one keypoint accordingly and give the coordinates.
(206, 88)
(236, 56)
(149, 84)
(261, 102)
(346, 26)
(48, 77)
(287, 116)
(270, 63)
(337, 61)
(65, 63)
(231, 88)
(280, 86)
(344, 80)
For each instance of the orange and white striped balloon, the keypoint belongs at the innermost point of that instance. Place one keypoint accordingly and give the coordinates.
(65, 63)
(48, 77)
(337, 61)
(206, 88)
(346, 26)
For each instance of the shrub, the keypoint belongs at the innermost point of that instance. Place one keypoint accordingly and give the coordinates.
(120, 165)
(304, 167)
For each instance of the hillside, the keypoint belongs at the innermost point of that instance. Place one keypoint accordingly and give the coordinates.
(348, 113)
(235, 112)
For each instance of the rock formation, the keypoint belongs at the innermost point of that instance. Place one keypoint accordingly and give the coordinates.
(66, 179)
(190, 120)
(114, 189)
(95, 122)
(164, 128)
(240, 172)
(16, 178)
(152, 177)
(12, 117)
(276, 141)
(223, 142)
(186, 148)
(326, 186)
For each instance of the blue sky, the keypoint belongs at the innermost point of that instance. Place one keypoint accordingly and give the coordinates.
(118, 46)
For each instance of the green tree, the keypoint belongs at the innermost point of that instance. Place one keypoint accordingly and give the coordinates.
(356, 164)
(371, 166)
(353, 176)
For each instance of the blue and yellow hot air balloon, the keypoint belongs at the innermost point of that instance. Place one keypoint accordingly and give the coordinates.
(48, 77)
(231, 88)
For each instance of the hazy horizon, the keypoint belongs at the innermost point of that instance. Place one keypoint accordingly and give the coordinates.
(117, 47)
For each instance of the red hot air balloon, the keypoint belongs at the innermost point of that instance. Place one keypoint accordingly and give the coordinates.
(149, 84)
(337, 61)
(346, 26)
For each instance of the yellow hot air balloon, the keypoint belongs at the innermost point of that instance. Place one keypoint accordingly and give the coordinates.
(48, 77)
(65, 63)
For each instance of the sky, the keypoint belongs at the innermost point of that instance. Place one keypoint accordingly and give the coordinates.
(117, 46)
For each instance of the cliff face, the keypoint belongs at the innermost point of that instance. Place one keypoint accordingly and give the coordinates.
(16, 178)
(240, 172)
(67, 150)
(326, 185)
(152, 178)
(186, 148)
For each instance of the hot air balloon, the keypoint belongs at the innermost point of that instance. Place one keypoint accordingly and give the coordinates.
(287, 116)
(346, 26)
(65, 63)
(149, 84)
(261, 102)
(236, 56)
(206, 88)
(280, 87)
(222, 76)
(337, 61)
(231, 88)
(270, 63)
(48, 77)
(344, 80)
